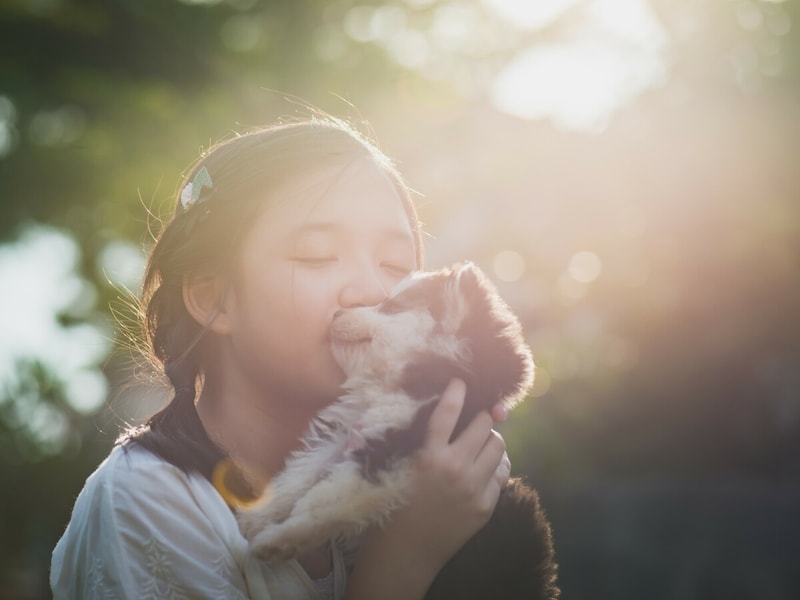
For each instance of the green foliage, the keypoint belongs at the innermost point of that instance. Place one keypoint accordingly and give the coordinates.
(679, 360)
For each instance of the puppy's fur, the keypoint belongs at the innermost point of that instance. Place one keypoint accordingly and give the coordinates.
(355, 468)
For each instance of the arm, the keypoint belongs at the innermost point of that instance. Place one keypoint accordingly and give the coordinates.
(456, 488)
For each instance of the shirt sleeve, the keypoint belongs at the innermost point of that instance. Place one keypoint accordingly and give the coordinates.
(144, 529)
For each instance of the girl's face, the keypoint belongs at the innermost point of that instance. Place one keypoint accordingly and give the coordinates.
(338, 238)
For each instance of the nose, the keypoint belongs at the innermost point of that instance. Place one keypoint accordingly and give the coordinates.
(364, 288)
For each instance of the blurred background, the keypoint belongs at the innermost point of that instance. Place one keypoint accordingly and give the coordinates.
(626, 171)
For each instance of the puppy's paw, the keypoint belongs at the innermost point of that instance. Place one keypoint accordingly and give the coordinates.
(269, 545)
(252, 522)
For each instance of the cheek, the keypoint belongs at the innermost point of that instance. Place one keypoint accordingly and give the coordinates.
(290, 308)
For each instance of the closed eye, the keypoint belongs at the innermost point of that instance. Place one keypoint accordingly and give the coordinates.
(314, 260)
(397, 268)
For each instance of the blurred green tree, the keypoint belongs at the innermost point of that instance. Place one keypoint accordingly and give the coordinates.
(680, 358)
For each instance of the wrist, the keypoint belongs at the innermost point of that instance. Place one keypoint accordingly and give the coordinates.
(388, 569)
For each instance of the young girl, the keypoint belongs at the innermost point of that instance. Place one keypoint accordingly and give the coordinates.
(273, 232)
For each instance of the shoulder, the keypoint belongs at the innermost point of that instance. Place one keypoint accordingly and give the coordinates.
(134, 486)
(138, 516)
(142, 527)
(129, 466)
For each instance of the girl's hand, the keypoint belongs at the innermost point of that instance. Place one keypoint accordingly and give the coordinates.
(456, 486)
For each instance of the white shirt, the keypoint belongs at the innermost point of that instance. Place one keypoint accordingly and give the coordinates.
(142, 528)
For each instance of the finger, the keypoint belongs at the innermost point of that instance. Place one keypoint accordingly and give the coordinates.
(503, 471)
(499, 412)
(490, 458)
(445, 416)
(491, 494)
(472, 439)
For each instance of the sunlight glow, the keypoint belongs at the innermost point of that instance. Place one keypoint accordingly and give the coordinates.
(509, 265)
(122, 263)
(584, 266)
(528, 13)
(541, 383)
(581, 80)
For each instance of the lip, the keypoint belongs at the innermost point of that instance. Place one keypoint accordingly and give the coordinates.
(340, 340)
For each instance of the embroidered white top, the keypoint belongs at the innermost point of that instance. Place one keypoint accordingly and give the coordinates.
(142, 528)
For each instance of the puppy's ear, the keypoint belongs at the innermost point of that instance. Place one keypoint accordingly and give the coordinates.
(499, 358)
(467, 273)
(464, 280)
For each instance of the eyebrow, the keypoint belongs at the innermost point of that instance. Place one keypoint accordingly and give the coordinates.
(334, 227)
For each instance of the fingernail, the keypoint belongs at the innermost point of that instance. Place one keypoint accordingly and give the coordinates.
(504, 468)
(503, 412)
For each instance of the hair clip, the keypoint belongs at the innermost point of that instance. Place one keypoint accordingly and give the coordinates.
(190, 194)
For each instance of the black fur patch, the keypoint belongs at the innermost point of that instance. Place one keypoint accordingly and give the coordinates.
(498, 361)
(427, 375)
(378, 455)
(499, 358)
(510, 558)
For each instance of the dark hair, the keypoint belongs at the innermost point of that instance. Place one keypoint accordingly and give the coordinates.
(204, 238)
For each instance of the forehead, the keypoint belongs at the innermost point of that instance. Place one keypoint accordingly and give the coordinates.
(358, 196)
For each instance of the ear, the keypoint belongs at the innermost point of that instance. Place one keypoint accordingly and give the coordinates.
(202, 296)
(464, 281)
(468, 276)
(501, 362)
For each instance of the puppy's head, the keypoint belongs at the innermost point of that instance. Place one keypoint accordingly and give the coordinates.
(434, 326)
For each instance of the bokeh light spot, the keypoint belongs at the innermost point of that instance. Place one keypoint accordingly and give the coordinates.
(584, 266)
(57, 128)
(778, 22)
(748, 15)
(87, 390)
(241, 33)
(123, 263)
(541, 383)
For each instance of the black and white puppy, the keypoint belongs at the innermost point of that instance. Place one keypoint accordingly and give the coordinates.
(355, 467)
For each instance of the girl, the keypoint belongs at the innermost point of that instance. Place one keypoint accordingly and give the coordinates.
(273, 232)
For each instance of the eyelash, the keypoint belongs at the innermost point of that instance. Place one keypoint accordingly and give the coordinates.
(314, 260)
(319, 261)
(398, 268)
